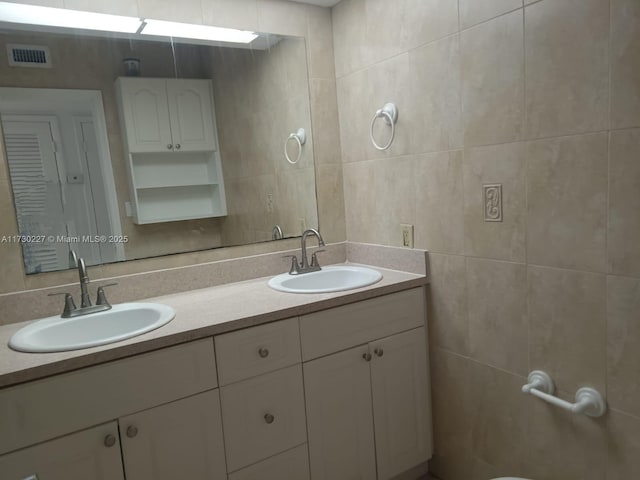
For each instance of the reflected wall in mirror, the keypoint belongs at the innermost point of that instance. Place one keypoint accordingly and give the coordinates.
(80, 176)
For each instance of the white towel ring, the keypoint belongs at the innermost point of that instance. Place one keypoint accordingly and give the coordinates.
(301, 138)
(390, 114)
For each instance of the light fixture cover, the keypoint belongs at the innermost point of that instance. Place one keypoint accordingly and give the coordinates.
(199, 32)
(61, 17)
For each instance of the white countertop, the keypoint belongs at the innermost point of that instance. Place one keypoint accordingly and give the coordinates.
(199, 313)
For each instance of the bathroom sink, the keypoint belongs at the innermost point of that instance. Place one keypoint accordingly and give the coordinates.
(122, 321)
(329, 279)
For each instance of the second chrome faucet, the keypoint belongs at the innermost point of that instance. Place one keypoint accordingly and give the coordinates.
(305, 266)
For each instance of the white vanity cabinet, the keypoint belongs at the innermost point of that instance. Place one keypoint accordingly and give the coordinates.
(338, 394)
(171, 149)
(79, 456)
(165, 404)
(368, 407)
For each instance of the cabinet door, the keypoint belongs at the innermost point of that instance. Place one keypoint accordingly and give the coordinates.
(340, 417)
(401, 402)
(290, 465)
(191, 112)
(182, 439)
(146, 114)
(79, 456)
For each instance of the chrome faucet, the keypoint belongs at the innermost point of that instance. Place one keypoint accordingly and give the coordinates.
(276, 233)
(297, 269)
(85, 301)
(70, 309)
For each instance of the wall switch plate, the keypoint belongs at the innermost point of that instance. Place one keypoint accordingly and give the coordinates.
(269, 202)
(407, 235)
(127, 209)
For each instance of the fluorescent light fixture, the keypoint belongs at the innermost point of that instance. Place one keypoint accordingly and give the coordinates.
(60, 17)
(199, 32)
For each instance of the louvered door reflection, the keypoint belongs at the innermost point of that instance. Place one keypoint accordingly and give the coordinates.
(37, 192)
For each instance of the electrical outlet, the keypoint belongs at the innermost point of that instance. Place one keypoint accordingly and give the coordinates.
(407, 235)
(303, 224)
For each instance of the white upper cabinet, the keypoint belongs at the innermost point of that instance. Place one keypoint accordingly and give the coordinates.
(191, 114)
(163, 115)
(145, 111)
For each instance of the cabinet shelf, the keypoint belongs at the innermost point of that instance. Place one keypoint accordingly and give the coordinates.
(171, 144)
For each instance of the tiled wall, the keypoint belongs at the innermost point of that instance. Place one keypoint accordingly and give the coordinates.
(544, 99)
(273, 16)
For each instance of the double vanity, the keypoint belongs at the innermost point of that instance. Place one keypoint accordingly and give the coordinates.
(246, 382)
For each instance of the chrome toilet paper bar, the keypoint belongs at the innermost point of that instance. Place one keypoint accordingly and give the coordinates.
(588, 400)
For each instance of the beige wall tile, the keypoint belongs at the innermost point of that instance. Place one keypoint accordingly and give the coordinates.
(349, 36)
(439, 202)
(320, 44)
(282, 17)
(567, 326)
(498, 326)
(493, 80)
(360, 95)
(359, 200)
(561, 445)
(114, 7)
(374, 30)
(624, 447)
(476, 11)
(435, 84)
(623, 240)
(452, 455)
(331, 211)
(567, 84)
(185, 11)
(625, 63)
(499, 422)
(447, 303)
(325, 121)
(240, 14)
(503, 164)
(567, 196)
(352, 92)
(623, 344)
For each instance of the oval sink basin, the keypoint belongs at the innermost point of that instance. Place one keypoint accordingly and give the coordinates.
(329, 279)
(57, 334)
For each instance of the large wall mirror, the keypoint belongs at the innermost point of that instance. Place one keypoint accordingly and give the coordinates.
(125, 138)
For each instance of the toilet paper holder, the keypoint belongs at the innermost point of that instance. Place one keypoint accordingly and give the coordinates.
(589, 401)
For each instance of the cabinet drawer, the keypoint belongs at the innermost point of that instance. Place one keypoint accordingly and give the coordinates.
(257, 350)
(292, 465)
(263, 416)
(336, 329)
(48, 408)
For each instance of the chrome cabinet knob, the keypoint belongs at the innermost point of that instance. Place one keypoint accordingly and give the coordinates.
(367, 356)
(132, 431)
(178, 146)
(263, 352)
(169, 146)
(379, 352)
(109, 441)
(269, 418)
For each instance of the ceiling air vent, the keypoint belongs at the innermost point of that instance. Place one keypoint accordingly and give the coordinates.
(28, 56)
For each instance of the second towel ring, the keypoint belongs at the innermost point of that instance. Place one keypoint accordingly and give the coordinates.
(301, 138)
(390, 114)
